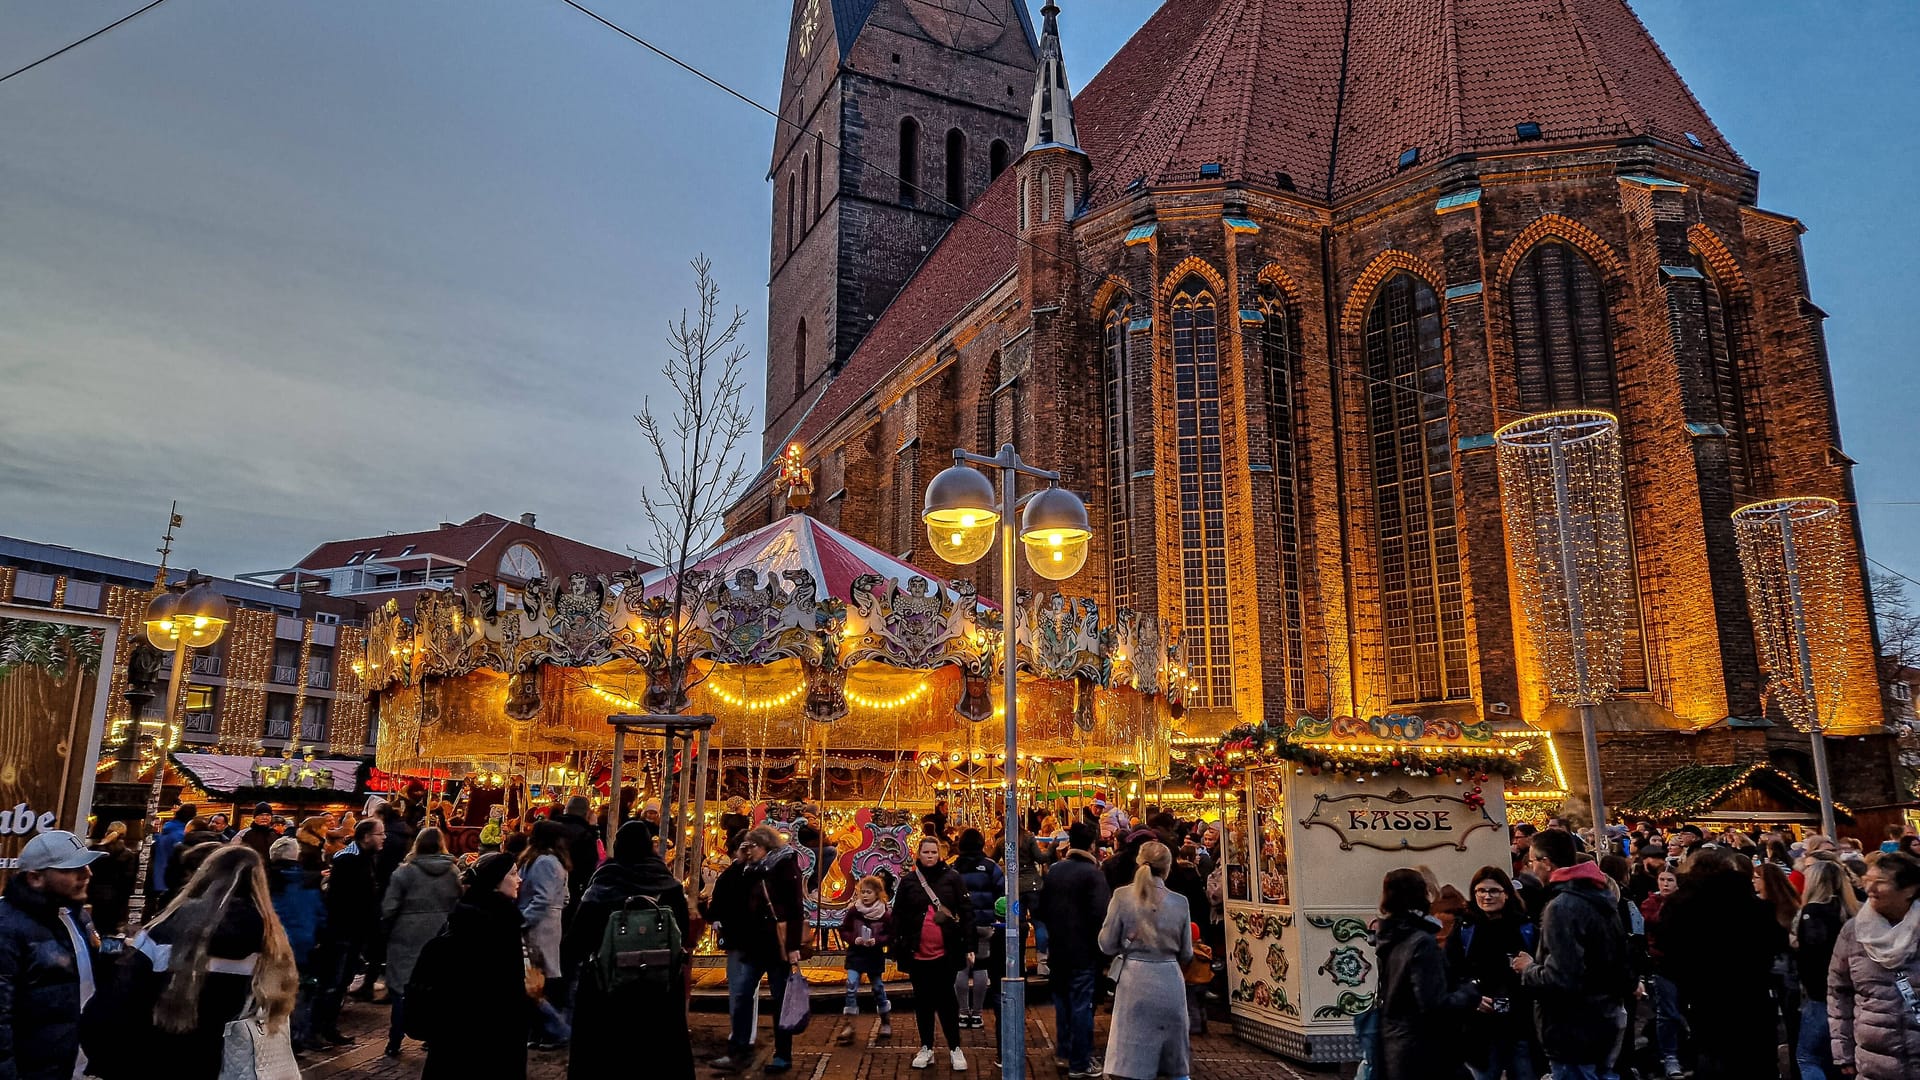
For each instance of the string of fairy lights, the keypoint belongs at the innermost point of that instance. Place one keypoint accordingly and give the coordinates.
(1820, 539)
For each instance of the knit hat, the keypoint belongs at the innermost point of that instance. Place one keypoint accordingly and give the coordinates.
(579, 807)
(285, 849)
(262, 808)
(490, 871)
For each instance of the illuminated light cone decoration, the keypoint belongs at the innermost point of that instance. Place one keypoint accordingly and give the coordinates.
(1793, 553)
(1563, 495)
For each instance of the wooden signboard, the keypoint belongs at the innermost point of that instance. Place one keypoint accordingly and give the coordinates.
(55, 667)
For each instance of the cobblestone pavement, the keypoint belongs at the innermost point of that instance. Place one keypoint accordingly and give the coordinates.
(1216, 1056)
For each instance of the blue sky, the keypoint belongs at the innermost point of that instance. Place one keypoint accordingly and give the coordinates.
(325, 269)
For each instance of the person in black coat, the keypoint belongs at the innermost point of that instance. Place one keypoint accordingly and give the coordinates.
(1494, 927)
(933, 937)
(583, 845)
(607, 1026)
(353, 916)
(42, 915)
(1420, 1012)
(978, 984)
(1583, 968)
(488, 965)
(764, 919)
(1073, 903)
(1719, 941)
(111, 890)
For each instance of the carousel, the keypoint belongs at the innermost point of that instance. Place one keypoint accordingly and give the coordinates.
(849, 691)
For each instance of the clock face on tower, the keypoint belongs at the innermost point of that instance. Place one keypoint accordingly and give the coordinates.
(521, 561)
(809, 25)
(968, 25)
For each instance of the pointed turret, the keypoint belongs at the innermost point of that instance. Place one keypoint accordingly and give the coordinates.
(1050, 121)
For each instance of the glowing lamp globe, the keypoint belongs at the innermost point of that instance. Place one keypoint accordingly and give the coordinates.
(960, 514)
(1055, 529)
(195, 618)
(160, 621)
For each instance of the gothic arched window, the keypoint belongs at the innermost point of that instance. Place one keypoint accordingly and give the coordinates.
(1280, 356)
(1117, 376)
(805, 218)
(1423, 617)
(1205, 612)
(1025, 194)
(1046, 194)
(956, 168)
(1721, 383)
(819, 159)
(800, 357)
(909, 170)
(1561, 352)
(1066, 197)
(996, 159)
(790, 204)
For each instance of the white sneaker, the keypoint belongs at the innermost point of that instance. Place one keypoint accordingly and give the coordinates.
(959, 1060)
(924, 1058)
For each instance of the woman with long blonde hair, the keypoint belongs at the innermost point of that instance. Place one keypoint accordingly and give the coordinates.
(220, 955)
(1151, 931)
(1827, 904)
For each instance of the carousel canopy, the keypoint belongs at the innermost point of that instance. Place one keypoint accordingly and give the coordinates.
(798, 543)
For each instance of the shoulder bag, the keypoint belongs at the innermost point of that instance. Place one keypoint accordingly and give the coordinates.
(939, 909)
(249, 1051)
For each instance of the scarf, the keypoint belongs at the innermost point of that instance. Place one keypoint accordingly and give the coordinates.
(875, 912)
(1887, 943)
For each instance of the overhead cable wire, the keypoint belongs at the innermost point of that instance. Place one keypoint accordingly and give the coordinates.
(82, 41)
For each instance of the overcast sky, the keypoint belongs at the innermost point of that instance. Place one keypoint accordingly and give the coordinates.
(330, 268)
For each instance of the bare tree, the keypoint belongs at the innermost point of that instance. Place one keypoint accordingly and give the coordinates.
(1898, 622)
(700, 459)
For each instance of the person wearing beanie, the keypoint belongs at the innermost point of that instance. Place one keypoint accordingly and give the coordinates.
(484, 961)
(301, 908)
(583, 845)
(260, 835)
(1073, 900)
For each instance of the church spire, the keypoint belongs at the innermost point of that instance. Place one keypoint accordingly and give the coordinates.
(1051, 118)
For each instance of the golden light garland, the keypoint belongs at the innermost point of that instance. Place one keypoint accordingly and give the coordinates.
(758, 704)
(1576, 551)
(1821, 546)
(860, 700)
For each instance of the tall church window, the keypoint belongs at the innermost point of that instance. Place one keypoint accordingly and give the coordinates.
(1725, 404)
(1046, 194)
(819, 159)
(1025, 194)
(1421, 602)
(800, 357)
(1117, 374)
(1280, 359)
(1066, 198)
(1203, 512)
(956, 168)
(790, 197)
(1563, 359)
(805, 218)
(997, 158)
(1562, 356)
(909, 170)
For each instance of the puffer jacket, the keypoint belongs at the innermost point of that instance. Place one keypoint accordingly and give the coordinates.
(301, 907)
(39, 985)
(984, 880)
(1873, 1030)
(1581, 973)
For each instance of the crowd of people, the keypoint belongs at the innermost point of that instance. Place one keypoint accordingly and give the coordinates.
(1737, 956)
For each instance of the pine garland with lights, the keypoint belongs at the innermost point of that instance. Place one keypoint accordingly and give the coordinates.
(1275, 742)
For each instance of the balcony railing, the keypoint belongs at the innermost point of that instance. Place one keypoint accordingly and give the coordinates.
(286, 674)
(320, 679)
(279, 728)
(202, 723)
(313, 729)
(207, 664)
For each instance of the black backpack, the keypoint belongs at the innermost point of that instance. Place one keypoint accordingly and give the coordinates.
(432, 990)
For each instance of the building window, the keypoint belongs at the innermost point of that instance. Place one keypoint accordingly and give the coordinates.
(313, 721)
(1720, 382)
(1421, 602)
(800, 357)
(1563, 359)
(1562, 356)
(1203, 513)
(1046, 195)
(1118, 376)
(906, 495)
(819, 203)
(1280, 355)
(1902, 691)
(1066, 198)
(956, 168)
(790, 204)
(996, 159)
(1025, 193)
(909, 170)
(805, 168)
(279, 716)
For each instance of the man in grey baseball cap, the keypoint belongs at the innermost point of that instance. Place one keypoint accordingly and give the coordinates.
(47, 954)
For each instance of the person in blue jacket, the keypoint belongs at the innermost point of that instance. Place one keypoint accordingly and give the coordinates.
(170, 836)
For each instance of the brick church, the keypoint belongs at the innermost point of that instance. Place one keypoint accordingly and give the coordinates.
(1263, 290)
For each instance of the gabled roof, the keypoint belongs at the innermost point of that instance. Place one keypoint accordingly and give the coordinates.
(1691, 790)
(462, 543)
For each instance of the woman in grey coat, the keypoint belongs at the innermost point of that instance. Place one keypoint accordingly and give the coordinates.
(1873, 982)
(1150, 929)
(544, 870)
(423, 892)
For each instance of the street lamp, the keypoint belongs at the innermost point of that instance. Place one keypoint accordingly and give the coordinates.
(962, 514)
(176, 622)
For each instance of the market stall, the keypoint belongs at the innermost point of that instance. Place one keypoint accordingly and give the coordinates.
(1351, 799)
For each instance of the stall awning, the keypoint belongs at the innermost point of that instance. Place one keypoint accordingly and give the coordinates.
(273, 779)
(1750, 792)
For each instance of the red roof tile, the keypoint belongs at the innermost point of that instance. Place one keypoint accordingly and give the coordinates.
(463, 542)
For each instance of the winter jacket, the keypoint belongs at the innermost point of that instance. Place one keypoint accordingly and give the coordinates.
(608, 1026)
(910, 906)
(485, 963)
(240, 934)
(1420, 1013)
(111, 890)
(398, 845)
(767, 934)
(583, 851)
(985, 883)
(260, 838)
(171, 834)
(870, 958)
(421, 895)
(1717, 943)
(1073, 902)
(1817, 930)
(1150, 1020)
(353, 906)
(301, 907)
(543, 904)
(39, 984)
(1581, 973)
(1872, 1027)
(726, 907)
(1479, 950)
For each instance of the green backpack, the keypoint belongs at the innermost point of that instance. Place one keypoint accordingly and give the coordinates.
(639, 947)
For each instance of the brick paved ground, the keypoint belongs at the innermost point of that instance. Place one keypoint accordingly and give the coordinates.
(1217, 1056)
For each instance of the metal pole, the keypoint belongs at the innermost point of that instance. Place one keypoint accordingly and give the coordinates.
(610, 821)
(1013, 983)
(1821, 777)
(1576, 626)
(137, 903)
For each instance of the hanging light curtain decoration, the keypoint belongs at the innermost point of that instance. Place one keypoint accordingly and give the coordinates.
(1563, 495)
(1790, 546)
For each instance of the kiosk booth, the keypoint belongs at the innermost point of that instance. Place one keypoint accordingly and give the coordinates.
(1320, 811)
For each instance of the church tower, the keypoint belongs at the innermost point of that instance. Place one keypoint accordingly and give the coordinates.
(894, 114)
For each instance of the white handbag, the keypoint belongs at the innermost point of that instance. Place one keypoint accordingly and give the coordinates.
(251, 1052)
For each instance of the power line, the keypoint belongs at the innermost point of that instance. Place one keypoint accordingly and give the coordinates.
(1889, 569)
(82, 41)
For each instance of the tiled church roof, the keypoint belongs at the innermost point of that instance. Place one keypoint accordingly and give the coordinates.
(1260, 87)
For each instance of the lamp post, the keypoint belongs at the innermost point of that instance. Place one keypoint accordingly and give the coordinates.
(1791, 553)
(963, 513)
(189, 616)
